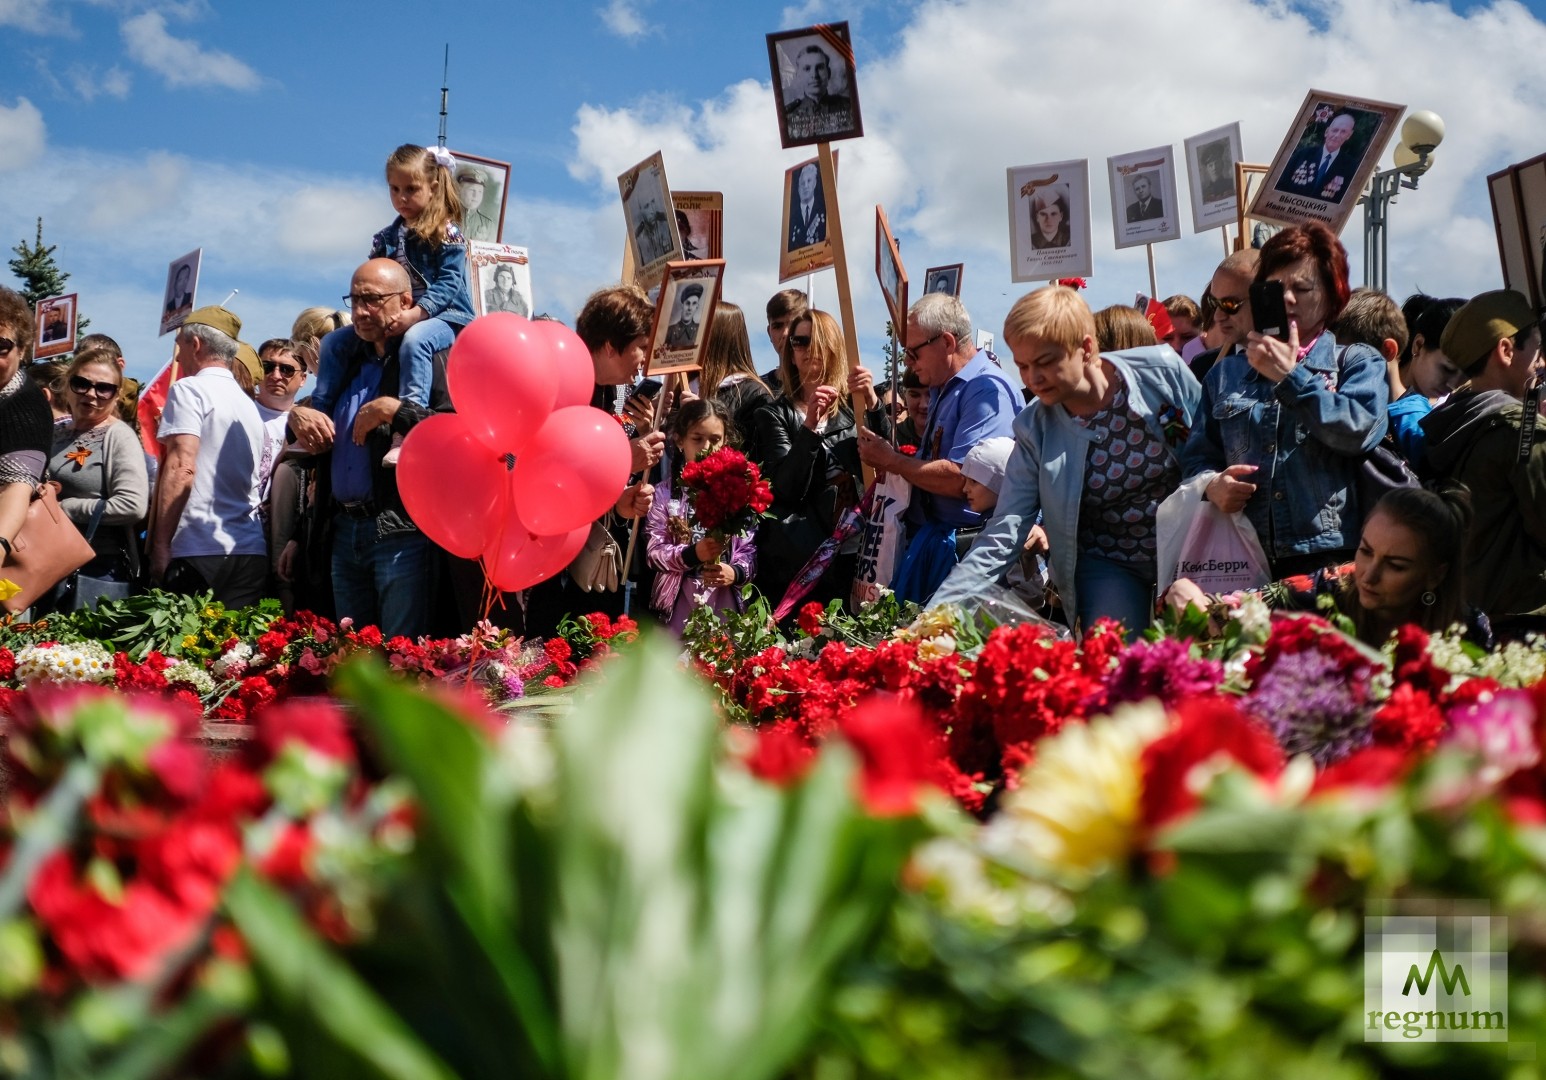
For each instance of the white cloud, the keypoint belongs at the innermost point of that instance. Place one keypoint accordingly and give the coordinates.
(89, 83)
(624, 19)
(182, 61)
(328, 221)
(22, 135)
(36, 16)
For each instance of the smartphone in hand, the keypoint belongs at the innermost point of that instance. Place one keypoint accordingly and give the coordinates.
(1267, 309)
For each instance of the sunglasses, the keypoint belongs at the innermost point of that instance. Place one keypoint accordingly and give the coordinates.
(6, 345)
(289, 370)
(1228, 306)
(799, 341)
(912, 351)
(86, 386)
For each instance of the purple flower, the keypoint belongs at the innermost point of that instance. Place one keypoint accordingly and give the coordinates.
(513, 686)
(1164, 669)
(1307, 703)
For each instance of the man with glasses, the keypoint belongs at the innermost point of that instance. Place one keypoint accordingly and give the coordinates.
(1231, 293)
(279, 486)
(970, 400)
(1488, 436)
(382, 564)
(206, 533)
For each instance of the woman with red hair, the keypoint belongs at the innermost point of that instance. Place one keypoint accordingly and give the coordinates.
(1286, 424)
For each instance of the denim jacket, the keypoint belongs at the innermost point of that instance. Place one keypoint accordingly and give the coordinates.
(1306, 435)
(1046, 473)
(438, 274)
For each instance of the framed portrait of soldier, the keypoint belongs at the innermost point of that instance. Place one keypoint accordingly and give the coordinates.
(484, 186)
(1253, 232)
(653, 238)
(499, 277)
(182, 285)
(700, 223)
(815, 85)
(889, 270)
(944, 279)
(1327, 156)
(55, 327)
(804, 246)
(1144, 205)
(1049, 221)
(1210, 173)
(1518, 196)
(683, 313)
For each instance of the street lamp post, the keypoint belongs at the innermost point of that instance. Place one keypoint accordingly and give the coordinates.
(1420, 135)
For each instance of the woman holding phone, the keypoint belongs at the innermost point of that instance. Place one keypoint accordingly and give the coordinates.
(1286, 424)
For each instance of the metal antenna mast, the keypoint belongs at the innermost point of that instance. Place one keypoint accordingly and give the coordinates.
(445, 94)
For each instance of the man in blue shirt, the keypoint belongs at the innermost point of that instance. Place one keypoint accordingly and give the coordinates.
(970, 400)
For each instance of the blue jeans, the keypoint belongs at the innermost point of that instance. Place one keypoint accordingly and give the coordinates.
(384, 582)
(1112, 589)
(416, 358)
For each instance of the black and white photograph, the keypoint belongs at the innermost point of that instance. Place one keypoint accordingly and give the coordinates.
(889, 270)
(1330, 151)
(683, 313)
(500, 279)
(943, 279)
(55, 327)
(1144, 205)
(1252, 232)
(1049, 221)
(700, 221)
(804, 246)
(815, 84)
(651, 218)
(1210, 170)
(182, 285)
(483, 185)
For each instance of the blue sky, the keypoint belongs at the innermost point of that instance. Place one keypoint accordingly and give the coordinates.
(140, 130)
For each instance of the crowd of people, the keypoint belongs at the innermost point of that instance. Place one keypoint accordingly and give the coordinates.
(1384, 455)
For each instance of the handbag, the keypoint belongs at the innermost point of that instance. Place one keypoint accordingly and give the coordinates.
(599, 565)
(47, 548)
(80, 591)
(1380, 471)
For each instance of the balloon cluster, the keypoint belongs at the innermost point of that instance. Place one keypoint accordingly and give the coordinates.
(518, 472)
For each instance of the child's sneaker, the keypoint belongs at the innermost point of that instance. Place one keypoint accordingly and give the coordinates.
(389, 459)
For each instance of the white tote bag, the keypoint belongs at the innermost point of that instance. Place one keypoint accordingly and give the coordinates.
(880, 540)
(1219, 552)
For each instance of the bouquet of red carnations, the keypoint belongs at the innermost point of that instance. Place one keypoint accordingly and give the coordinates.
(727, 493)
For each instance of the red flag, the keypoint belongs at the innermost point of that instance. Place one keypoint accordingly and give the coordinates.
(152, 401)
(1159, 318)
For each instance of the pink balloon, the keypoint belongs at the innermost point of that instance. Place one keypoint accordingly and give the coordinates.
(500, 380)
(568, 354)
(454, 487)
(518, 560)
(574, 468)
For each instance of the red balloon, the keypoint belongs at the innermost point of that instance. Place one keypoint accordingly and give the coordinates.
(568, 354)
(454, 487)
(516, 559)
(573, 470)
(501, 381)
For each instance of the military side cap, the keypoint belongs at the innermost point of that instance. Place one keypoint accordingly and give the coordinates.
(217, 317)
(1479, 325)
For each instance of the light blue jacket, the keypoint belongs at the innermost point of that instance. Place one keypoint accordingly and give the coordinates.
(1046, 473)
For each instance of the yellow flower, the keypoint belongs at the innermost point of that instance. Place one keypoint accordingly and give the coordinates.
(8, 588)
(1077, 805)
(191, 641)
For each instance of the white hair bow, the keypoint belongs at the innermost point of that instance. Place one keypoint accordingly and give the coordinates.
(442, 157)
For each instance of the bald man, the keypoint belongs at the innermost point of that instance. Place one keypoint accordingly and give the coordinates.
(381, 565)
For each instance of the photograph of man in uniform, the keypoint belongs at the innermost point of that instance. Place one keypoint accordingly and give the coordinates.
(1218, 182)
(807, 209)
(480, 202)
(1146, 205)
(650, 228)
(56, 323)
(179, 297)
(503, 295)
(1325, 169)
(683, 333)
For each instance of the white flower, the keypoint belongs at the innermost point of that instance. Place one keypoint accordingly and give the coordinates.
(1254, 617)
(84, 661)
(935, 647)
(233, 663)
(190, 674)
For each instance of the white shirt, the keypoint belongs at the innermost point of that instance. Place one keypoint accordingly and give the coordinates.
(275, 422)
(221, 515)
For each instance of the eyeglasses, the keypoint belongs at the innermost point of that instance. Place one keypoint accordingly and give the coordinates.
(912, 351)
(271, 366)
(6, 345)
(367, 300)
(1228, 306)
(799, 341)
(86, 386)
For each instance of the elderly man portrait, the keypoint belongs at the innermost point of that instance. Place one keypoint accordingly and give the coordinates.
(813, 111)
(207, 533)
(807, 209)
(1324, 171)
(382, 566)
(1144, 207)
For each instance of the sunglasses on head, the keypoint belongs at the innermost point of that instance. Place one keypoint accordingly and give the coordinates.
(85, 386)
(799, 341)
(289, 370)
(1228, 306)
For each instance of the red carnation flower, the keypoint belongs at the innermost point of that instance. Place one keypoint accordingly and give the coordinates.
(809, 619)
(1205, 729)
(897, 750)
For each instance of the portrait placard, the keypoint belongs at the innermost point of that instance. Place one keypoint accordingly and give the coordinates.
(683, 314)
(700, 223)
(944, 279)
(1519, 215)
(1210, 172)
(1251, 232)
(815, 85)
(652, 233)
(1049, 221)
(890, 272)
(499, 277)
(1327, 157)
(484, 185)
(805, 246)
(1144, 207)
(182, 285)
(56, 327)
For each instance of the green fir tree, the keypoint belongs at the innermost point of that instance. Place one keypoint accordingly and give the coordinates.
(39, 274)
